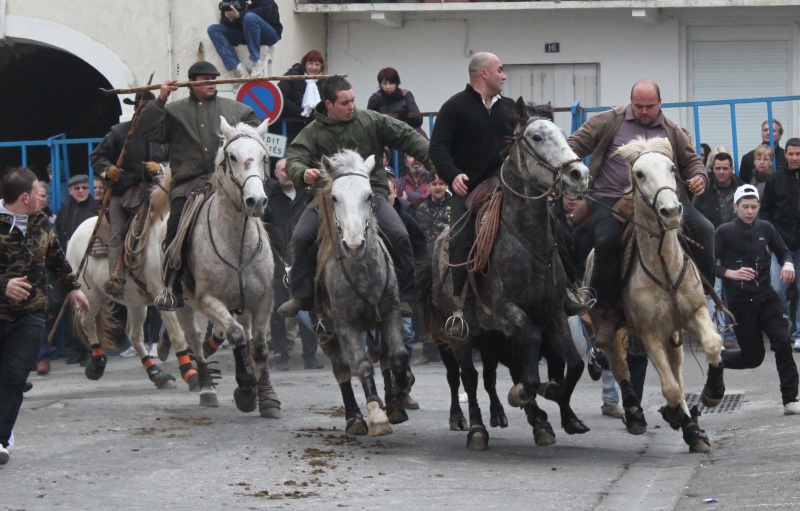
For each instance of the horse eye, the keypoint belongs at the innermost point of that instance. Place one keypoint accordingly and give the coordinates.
(232, 157)
(537, 138)
(333, 198)
(369, 197)
(639, 174)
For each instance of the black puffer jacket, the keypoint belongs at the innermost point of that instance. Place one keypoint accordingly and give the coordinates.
(398, 104)
(780, 205)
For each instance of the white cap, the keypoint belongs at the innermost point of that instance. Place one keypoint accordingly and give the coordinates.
(745, 191)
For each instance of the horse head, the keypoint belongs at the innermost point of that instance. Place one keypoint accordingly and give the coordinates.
(545, 156)
(242, 163)
(653, 177)
(348, 190)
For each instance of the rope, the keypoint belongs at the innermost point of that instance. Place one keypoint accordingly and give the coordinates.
(172, 257)
(486, 227)
(136, 244)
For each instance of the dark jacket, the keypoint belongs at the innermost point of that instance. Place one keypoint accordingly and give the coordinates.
(281, 217)
(266, 10)
(780, 206)
(415, 234)
(433, 217)
(293, 92)
(398, 104)
(738, 245)
(139, 150)
(467, 138)
(749, 163)
(710, 204)
(71, 215)
(29, 256)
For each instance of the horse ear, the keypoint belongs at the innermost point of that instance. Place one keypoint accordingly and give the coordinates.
(370, 163)
(225, 128)
(262, 128)
(520, 109)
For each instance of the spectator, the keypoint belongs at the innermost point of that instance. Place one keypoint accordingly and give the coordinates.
(705, 150)
(710, 160)
(743, 247)
(43, 358)
(433, 215)
(763, 156)
(748, 160)
(393, 101)
(99, 189)
(254, 23)
(301, 96)
(413, 187)
(779, 206)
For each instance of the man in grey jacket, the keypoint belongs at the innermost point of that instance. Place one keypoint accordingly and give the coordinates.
(191, 127)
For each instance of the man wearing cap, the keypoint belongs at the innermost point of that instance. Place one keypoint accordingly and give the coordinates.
(191, 127)
(744, 248)
(140, 156)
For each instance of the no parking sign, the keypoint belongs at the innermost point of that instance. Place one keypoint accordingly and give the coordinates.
(263, 97)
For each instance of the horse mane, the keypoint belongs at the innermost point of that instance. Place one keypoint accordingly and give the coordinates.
(631, 151)
(246, 130)
(159, 193)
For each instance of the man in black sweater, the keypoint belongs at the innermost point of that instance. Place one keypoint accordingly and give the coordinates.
(743, 247)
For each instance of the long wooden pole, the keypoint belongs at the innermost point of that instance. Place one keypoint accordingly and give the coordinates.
(222, 81)
(102, 211)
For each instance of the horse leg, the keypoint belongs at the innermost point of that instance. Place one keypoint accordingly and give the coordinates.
(96, 366)
(377, 421)
(497, 415)
(269, 406)
(457, 420)
(680, 417)
(177, 336)
(478, 437)
(528, 338)
(355, 423)
(205, 384)
(701, 326)
(394, 368)
(559, 332)
(635, 422)
(543, 434)
(161, 379)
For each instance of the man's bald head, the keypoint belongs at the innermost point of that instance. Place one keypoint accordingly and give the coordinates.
(486, 74)
(481, 60)
(646, 85)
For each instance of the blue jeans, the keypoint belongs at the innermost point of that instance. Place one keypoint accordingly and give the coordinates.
(254, 32)
(610, 389)
(781, 288)
(20, 340)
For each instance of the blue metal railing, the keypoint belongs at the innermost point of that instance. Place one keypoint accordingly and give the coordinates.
(579, 116)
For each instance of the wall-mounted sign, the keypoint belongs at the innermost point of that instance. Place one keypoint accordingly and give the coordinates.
(552, 47)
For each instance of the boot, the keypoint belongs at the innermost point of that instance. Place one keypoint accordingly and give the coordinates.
(290, 308)
(605, 331)
(114, 287)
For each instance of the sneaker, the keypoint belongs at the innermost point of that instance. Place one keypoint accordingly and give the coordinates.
(614, 411)
(3, 455)
(130, 352)
(792, 408)
(593, 366)
(313, 363)
(405, 309)
(409, 403)
(153, 350)
(258, 69)
(796, 346)
(241, 71)
(43, 368)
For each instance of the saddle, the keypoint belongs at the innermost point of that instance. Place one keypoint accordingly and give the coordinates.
(99, 247)
(175, 254)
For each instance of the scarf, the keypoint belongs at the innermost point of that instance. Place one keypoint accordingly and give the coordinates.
(310, 97)
(20, 221)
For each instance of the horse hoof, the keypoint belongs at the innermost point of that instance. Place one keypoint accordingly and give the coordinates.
(477, 439)
(575, 426)
(709, 399)
(245, 399)
(166, 383)
(550, 390)
(270, 409)
(543, 434)
(396, 414)
(194, 383)
(379, 429)
(700, 446)
(208, 398)
(635, 423)
(498, 420)
(458, 422)
(356, 426)
(517, 397)
(378, 424)
(96, 367)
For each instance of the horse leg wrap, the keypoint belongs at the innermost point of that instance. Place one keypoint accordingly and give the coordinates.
(675, 417)
(370, 391)
(211, 345)
(634, 415)
(188, 372)
(695, 438)
(244, 370)
(96, 366)
(714, 390)
(355, 425)
(160, 378)
(269, 406)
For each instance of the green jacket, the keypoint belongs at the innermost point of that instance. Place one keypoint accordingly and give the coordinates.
(191, 127)
(367, 133)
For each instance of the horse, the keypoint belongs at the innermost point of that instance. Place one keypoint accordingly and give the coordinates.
(141, 286)
(662, 295)
(358, 293)
(229, 269)
(525, 287)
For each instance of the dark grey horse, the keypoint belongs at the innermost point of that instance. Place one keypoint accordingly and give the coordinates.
(526, 285)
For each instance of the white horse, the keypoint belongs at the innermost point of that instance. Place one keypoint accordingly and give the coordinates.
(140, 289)
(662, 296)
(230, 261)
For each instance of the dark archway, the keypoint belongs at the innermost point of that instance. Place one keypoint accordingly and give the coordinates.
(44, 92)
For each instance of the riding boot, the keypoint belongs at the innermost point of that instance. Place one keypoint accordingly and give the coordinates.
(606, 329)
(115, 286)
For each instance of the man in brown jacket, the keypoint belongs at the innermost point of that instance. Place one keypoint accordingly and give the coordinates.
(599, 138)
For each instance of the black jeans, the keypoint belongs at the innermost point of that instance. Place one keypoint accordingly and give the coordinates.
(304, 250)
(461, 239)
(278, 323)
(20, 340)
(765, 315)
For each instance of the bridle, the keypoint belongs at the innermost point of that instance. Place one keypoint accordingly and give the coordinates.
(336, 218)
(226, 170)
(527, 149)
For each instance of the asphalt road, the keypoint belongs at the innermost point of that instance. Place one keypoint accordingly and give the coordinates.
(119, 443)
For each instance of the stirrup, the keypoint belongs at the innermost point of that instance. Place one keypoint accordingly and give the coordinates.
(585, 296)
(456, 326)
(166, 301)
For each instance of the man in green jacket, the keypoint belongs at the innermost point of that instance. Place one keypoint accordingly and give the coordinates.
(191, 127)
(340, 125)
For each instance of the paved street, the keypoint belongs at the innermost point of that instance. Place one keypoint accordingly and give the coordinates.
(119, 443)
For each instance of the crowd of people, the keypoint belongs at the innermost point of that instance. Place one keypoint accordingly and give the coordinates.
(414, 204)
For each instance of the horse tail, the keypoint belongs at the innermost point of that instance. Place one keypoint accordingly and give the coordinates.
(105, 326)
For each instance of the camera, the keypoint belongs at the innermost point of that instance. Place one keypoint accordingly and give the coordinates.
(226, 6)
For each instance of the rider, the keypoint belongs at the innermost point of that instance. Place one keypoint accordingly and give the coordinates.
(340, 125)
(599, 138)
(191, 126)
(140, 155)
(472, 132)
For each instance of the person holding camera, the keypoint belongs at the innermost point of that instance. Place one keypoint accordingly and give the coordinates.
(254, 23)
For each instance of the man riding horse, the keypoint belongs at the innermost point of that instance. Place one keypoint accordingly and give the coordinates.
(191, 125)
(599, 138)
(340, 125)
(140, 156)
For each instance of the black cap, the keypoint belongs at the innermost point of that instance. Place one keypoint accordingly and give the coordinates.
(148, 96)
(202, 67)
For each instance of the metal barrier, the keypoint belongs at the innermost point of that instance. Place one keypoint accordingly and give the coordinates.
(579, 116)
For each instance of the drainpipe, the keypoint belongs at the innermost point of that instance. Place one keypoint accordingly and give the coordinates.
(170, 50)
(3, 13)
